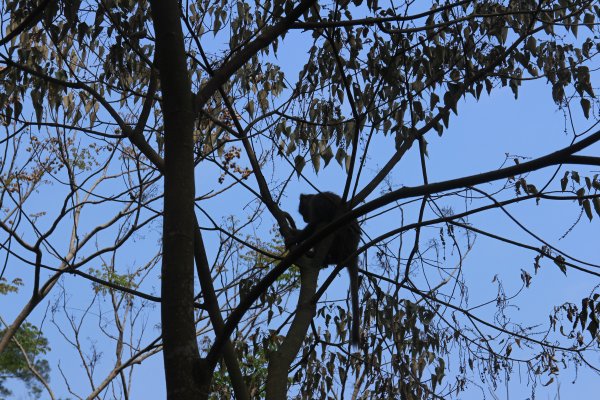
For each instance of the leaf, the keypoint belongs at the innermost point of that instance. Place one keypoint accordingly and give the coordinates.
(417, 86)
(560, 262)
(596, 202)
(18, 109)
(514, 86)
(291, 147)
(508, 350)
(583, 315)
(574, 29)
(433, 100)
(216, 25)
(316, 160)
(531, 189)
(340, 155)
(36, 100)
(588, 20)
(564, 181)
(593, 327)
(580, 193)
(387, 125)
(299, 164)
(488, 86)
(327, 154)
(478, 90)
(445, 116)
(558, 92)
(588, 208)
(418, 108)
(250, 107)
(504, 34)
(531, 45)
(525, 277)
(585, 106)
(549, 382)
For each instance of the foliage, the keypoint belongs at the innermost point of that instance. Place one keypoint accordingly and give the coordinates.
(23, 360)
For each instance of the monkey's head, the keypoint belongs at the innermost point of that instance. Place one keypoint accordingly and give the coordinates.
(304, 207)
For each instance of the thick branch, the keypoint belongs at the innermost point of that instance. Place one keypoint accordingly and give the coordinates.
(281, 359)
(212, 306)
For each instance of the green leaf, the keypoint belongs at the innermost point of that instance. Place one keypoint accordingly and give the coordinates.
(15, 364)
(12, 287)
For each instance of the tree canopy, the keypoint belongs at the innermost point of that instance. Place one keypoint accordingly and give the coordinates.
(152, 156)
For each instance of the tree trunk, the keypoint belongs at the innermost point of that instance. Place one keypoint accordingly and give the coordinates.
(280, 360)
(185, 376)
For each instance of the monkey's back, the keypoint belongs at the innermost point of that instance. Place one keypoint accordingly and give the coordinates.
(324, 206)
(344, 243)
(347, 238)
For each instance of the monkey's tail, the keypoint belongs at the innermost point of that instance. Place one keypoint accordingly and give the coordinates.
(355, 329)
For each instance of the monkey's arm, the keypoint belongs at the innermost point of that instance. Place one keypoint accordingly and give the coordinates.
(298, 236)
(290, 220)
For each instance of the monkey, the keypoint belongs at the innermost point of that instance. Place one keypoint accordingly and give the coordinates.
(322, 208)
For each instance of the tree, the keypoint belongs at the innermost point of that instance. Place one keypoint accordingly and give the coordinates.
(19, 361)
(171, 133)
